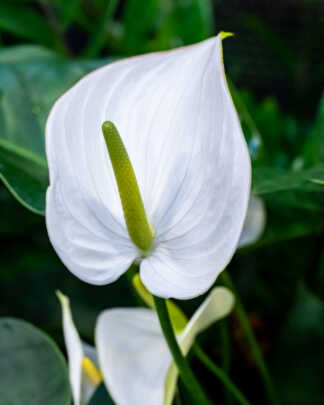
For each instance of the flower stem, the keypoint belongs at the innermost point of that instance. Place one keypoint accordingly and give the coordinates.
(188, 377)
(255, 348)
(220, 374)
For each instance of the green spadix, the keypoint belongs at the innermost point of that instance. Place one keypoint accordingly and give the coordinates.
(138, 226)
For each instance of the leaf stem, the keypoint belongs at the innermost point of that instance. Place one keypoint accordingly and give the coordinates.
(188, 377)
(255, 348)
(220, 374)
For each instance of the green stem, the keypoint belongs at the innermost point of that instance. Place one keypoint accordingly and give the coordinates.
(188, 377)
(98, 37)
(226, 354)
(220, 374)
(255, 348)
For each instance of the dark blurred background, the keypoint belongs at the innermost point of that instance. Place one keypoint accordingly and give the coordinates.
(275, 62)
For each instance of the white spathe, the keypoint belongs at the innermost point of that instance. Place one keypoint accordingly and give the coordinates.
(177, 120)
(132, 353)
(81, 386)
(254, 223)
(136, 354)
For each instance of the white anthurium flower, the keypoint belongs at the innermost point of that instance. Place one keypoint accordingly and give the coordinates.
(254, 223)
(177, 121)
(83, 365)
(133, 355)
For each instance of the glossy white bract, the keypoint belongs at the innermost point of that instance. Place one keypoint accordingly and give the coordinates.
(255, 222)
(177, 120)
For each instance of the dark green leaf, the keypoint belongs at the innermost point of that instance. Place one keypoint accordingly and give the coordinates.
(25, 22)
(68, 10)
(22, 153)
(295, 204)
(137, 34)
(184, 23)
(25, 178)
(281, 135)
(31, 79)
(267, 180)
(32, 368)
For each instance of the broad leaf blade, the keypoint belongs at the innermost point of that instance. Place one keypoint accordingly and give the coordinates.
(31, 79)
(25, 22)
(25, 178)
(32, 368)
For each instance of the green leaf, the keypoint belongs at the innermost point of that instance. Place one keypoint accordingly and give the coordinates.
(191, 21)
(138, 22)
(270, 180)
(25, 22)
(283, 189)
(294, 202)
(281, 135)
(164, 25)
(68, 10)
(267, 180)
(32, 368)
(183, 23)
(24, 53)
(22, 154)
(101, 397)
(31, 79)
(25, 178)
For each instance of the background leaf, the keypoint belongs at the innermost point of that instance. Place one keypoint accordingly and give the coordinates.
(25, 22)
(31, 79)
(32, 368)
(183, 23)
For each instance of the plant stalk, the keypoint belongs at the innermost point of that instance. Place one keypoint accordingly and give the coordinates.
(190, 382)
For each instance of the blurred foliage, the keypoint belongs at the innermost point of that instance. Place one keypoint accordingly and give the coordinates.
(32, 367)
(298, 361)
(276, 80)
